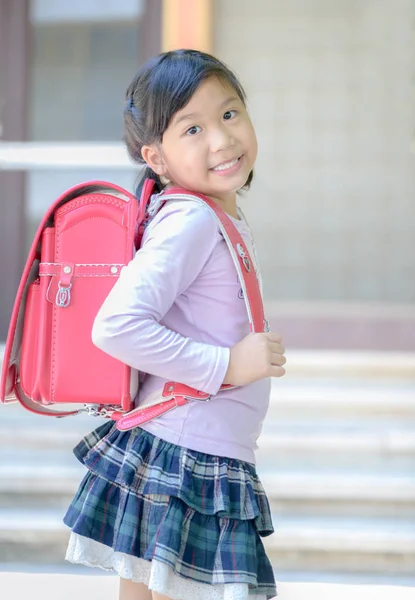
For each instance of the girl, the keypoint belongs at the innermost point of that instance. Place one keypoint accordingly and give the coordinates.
(175, 506)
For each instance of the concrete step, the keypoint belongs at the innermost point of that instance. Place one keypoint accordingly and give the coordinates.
(345, 485)
(65, 585)
(330, 444)
(340, 494)
(341, 398)
(288, 484)
(338, 448)
(350, 443)
(41, 438)
(36, 535)
(351, 436)
(351, 545)
(351, 364)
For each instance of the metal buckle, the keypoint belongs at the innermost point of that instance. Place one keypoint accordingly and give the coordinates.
(245, 259)
(95, 410)
(63, 295)
(198, 399)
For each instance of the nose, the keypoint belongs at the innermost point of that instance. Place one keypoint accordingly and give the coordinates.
(220, 139)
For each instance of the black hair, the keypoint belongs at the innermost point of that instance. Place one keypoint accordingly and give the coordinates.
(160, 88)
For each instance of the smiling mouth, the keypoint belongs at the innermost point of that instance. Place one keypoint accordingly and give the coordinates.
(226, 165)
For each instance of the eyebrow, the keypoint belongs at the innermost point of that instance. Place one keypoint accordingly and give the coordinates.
(191, 116)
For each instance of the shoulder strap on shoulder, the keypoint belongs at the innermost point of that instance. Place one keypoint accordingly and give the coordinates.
(240, 255)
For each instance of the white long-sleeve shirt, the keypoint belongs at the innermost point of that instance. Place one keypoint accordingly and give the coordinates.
(174, 314)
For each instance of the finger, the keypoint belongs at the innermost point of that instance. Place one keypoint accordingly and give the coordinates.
(276, 371)
(276, 347)
(278, 359)
(273, 337)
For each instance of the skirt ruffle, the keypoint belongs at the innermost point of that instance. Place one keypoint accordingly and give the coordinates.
(201, 515)
(157, 576)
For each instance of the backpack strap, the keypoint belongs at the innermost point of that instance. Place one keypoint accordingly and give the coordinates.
(240, 256)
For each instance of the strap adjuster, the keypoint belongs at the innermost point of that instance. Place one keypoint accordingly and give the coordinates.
(172, 390)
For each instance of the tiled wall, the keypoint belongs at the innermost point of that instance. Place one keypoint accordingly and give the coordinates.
(330, 86)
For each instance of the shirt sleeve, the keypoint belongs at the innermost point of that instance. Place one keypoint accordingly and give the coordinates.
(177, 245)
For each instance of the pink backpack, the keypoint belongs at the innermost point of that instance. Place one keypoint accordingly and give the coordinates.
(81, 245)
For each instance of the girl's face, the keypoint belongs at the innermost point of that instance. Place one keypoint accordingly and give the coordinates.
(210, 145)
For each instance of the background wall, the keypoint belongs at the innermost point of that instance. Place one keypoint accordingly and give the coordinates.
(330, 87)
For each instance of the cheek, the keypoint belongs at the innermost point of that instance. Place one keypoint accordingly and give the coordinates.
(249, 133)
(252, 142)
(185, 159)
(192, 153)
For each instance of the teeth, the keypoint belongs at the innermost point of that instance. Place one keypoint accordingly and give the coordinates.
(227, 165)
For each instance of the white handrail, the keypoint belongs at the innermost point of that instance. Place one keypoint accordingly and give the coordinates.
(23, 156)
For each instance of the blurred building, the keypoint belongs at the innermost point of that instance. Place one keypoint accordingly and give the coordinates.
(330, 89)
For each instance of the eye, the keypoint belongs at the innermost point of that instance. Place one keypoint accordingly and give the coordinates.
(193, 130)
(230, 114)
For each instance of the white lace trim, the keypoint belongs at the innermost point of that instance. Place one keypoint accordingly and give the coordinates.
(156, 575)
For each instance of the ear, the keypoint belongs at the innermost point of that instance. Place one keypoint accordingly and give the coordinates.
(153, 157)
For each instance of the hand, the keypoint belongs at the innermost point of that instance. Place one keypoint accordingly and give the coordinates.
(257, 356)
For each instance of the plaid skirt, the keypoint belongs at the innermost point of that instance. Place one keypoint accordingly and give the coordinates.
(200, 515)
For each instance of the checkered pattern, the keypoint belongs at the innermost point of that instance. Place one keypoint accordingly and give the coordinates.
(200, 514)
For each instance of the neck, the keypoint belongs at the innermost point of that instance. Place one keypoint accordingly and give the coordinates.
(227, 204)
